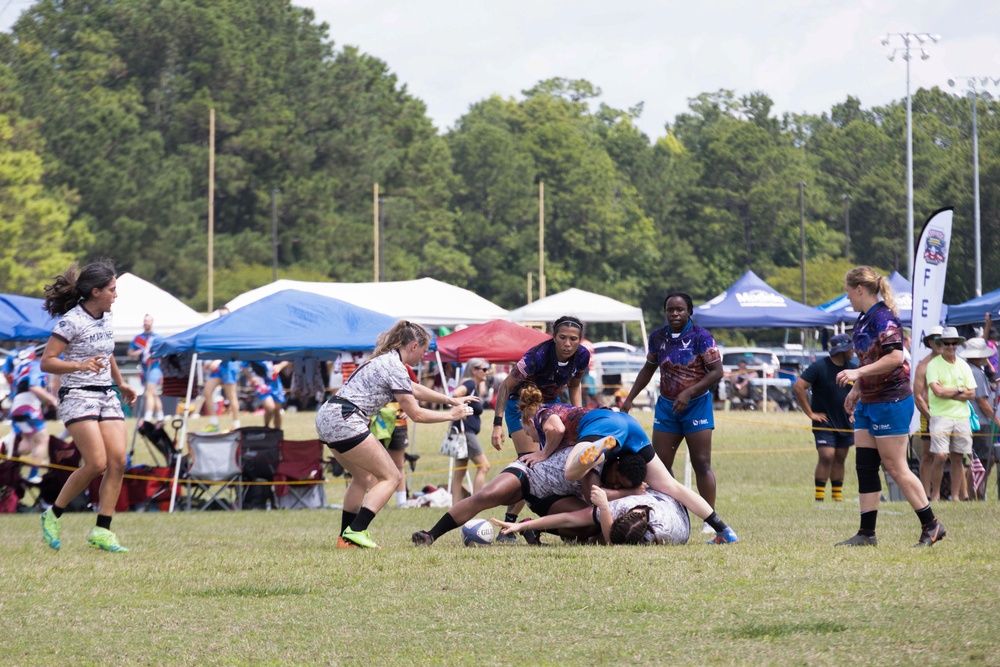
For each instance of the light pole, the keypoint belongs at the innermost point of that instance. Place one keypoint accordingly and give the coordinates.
(914, 40)
(274, 234)
(847, 227)
(974, 91)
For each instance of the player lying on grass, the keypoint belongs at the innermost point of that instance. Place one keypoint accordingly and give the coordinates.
(545, 488)
(606, 435)
(650, 518)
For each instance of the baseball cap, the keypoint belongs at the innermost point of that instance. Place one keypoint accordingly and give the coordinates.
(841, 343)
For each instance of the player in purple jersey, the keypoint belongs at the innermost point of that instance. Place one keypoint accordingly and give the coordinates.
(690, 364)
(552, 425)
(882, 406)
(551, 366)
(81, 349)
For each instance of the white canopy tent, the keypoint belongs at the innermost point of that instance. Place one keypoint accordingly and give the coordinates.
(426, 301)
(137, 298)
(589, 307)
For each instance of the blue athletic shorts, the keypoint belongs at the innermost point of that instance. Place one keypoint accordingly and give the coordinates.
(513, 415)
(154, 376)
(230, 371)
(882, 419)
(697, 417)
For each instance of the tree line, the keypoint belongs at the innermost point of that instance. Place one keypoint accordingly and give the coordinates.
(104, 109)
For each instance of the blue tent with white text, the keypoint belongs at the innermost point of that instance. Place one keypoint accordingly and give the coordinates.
(751, 302)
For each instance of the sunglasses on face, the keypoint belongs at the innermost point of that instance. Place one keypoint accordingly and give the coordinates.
(483, 369)
(952, 343)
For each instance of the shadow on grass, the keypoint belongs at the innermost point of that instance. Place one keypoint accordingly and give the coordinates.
(251, 591)
(776, 630)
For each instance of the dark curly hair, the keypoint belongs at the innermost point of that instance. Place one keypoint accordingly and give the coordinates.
(73, 286)
(633, 467)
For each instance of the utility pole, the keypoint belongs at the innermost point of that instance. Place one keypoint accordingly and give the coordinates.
(541, 239)
(847, 227)
(274, 234)
(211, 210)
(802, 236)
(378, 240)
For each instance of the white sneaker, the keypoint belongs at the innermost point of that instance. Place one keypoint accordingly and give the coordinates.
(707, 529)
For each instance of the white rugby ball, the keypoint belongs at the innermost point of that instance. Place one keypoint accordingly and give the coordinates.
(477, 533)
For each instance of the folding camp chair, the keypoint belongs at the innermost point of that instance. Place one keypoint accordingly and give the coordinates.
(301, 460)
(215, 461)
(260, 454)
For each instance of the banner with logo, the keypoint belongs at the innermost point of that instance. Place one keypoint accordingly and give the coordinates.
(930, 266)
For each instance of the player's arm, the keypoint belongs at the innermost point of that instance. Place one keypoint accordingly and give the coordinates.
(577, 519)
(641, 382)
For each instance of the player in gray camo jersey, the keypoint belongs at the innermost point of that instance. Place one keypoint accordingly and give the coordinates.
(81, 350)
(342, 423)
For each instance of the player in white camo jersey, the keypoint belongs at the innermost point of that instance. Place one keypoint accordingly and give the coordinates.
(81, 349)
(650, 518)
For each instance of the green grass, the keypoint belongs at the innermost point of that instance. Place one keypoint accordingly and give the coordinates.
(268, 588)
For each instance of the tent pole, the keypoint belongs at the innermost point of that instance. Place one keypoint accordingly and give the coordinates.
(184, 425)
(645, 340)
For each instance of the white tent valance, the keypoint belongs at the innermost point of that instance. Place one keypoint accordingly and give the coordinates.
(426, 301)
(138, 298)
(587, 306)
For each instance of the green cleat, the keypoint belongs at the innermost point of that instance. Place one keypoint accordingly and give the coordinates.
(51, 525)
(360, 538)
(104, 539)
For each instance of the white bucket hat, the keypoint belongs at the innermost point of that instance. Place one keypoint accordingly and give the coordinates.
(976, 348)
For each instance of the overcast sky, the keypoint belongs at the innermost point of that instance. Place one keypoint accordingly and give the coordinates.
(806, 56)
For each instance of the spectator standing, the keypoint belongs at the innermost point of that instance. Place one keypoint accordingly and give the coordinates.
(977, 353)
(473, 383)
(932, 341)
(830, 423)
(27, 413)
(952, 386)
(149, 372)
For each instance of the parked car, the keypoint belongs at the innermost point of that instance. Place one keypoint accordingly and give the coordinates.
(794, 360)
(615, 365)
(756, 358)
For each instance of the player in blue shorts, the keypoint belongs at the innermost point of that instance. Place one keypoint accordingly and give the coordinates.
(149, 372)
(882, 403)
(605, 435)
(271, 391)
(552, 366)
(29, 394)
(690, 365)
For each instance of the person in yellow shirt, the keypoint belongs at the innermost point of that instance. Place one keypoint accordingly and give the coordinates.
(952, 386)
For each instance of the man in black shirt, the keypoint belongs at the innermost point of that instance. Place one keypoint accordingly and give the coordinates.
(831, 424)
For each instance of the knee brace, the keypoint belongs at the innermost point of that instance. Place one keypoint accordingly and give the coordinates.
(867, 461)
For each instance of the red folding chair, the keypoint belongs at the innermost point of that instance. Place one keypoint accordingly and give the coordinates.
(301, 461)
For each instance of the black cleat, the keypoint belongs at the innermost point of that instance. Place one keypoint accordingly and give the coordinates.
(859, 540)
(931, 533)
(422, 538)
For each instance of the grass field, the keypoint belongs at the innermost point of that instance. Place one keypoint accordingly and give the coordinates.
(268, 588)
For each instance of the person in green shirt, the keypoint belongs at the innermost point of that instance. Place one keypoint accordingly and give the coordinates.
(952, 386)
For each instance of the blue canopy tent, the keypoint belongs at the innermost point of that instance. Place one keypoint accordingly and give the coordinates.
(901, 287)
(751, 302)
(974, 311)
(23, 318)
(285, 325)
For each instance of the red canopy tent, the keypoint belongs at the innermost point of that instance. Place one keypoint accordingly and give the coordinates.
(494, 341)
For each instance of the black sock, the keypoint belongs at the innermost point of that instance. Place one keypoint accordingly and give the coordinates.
(103, 522)
(345, 520)
(57, 511)
(362, 520)
(444, 524)
(510, 517)
(868, 520)
(716, 523)
(926, 515)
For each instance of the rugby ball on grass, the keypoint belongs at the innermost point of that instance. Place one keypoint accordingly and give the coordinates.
(477, 533)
